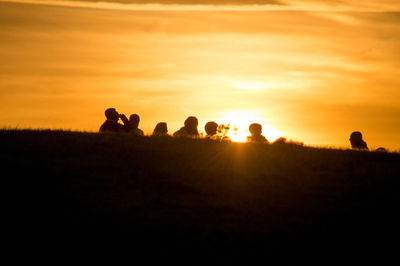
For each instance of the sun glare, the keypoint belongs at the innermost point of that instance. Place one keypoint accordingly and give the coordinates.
(239, 125)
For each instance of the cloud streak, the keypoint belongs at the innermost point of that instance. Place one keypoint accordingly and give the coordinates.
(228, 5)
(195, 2)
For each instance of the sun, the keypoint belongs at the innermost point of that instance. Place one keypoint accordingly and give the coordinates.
(239, 125)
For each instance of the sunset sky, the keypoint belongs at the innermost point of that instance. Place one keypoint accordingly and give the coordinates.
(311, 71)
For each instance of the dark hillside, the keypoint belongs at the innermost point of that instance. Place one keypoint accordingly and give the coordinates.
(193, 196)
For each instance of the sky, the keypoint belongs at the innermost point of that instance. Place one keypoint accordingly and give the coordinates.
(310, 71)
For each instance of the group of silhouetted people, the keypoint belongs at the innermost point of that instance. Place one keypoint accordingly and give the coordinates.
(189, 129)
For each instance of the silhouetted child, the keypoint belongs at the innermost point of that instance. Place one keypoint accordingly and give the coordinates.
(190, 128)
(111, 124)
(255, 131)
(160, 129)
(211, 129)
(357, 142)
(133, 125)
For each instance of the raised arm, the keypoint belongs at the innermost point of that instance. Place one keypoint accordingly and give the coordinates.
(124, 119)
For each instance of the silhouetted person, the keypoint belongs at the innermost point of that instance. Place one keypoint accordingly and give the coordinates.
(211, 128)
(161, 129)
(133, 125)
(255, 131)
(357, 142)
(280, 141)
(111, 124)
(190, 128)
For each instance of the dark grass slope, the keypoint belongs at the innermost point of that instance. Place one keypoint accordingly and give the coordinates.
(200, 197)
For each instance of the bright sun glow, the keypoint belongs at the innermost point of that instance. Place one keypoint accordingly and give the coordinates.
(249, 85)
(239, 125)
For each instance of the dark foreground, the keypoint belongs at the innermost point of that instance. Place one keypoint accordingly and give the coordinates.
(199, 198)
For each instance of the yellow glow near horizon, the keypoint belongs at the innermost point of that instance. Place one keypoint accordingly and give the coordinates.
(249, 85)
(240, 120)
(316, 76)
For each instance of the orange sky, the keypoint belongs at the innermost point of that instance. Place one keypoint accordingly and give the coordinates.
(312, 72)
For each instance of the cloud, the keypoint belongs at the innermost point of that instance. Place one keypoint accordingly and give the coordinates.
(229, 5)
(166, 2)
(194, 2)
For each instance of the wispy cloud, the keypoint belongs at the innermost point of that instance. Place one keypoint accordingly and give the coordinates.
(229, 5)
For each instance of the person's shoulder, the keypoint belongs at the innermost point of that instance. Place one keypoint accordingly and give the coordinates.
(111, 126)
(225, 138)
(180, 132)
(106, 126)
(140, 132)
(257, 139)
(209, 137)
(365, 145)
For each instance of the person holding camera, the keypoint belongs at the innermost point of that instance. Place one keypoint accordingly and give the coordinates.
(111, 124)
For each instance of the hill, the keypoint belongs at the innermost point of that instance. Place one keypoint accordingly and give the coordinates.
(199, 196)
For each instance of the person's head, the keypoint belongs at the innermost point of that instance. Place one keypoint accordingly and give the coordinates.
(134, 120)
(211, 128)
(356, 139)
(160, 129)
(255, 129)
(191, 124)
(381, 149)
(112, 114)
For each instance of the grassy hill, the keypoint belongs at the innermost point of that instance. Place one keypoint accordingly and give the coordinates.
(201, 197)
